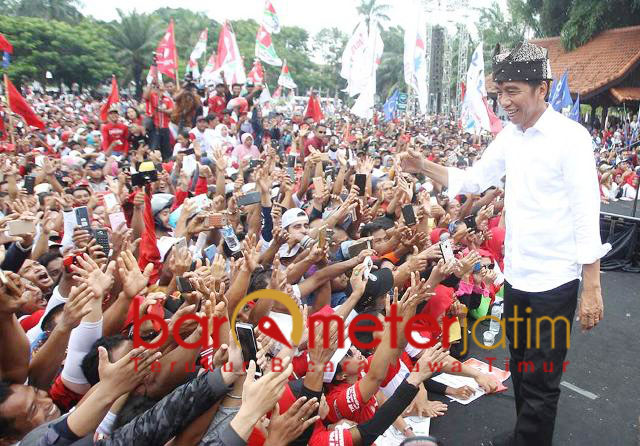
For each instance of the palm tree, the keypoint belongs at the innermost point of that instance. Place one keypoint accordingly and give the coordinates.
(374, 9)
(135, 37)
(63, 10)
(390, 74)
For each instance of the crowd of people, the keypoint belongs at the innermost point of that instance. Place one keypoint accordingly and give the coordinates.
(182, 205)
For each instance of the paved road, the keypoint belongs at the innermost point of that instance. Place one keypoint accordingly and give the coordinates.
(604, 365)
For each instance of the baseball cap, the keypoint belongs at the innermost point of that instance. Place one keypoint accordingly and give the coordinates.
(375, 288)
(292, 216)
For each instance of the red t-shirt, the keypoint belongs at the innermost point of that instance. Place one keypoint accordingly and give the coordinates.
(161, 118)
(216, 105)
(316, 142)
(345, 402)
(115, 132)
(336, 437)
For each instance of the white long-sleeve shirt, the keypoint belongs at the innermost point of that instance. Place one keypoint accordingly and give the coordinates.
(552, 200)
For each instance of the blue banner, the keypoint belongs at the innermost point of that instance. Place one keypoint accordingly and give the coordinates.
(560, 98)
(575, 110)
(391, 106)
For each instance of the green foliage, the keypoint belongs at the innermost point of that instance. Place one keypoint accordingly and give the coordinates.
(495, 28)
(374, 9)
(390, 74)
(588, 18)
(77, 53)
(135, 36)
(63, 10)
(576, 21)
(328, 45)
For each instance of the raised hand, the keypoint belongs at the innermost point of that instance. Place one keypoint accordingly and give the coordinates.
(87, 271)
(133, 280)
(285, 428)
(432, 356)
(76, 307)
(127, 373)
(12, 296)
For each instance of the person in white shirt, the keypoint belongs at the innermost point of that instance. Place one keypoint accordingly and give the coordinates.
(552, 205)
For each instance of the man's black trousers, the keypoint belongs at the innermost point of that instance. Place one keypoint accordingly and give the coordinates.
(536, 370)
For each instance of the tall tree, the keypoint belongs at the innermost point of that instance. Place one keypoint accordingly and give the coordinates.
(588, 18)
(494, 28)
(374, 9)
(63, 10)
(9, 7)
(135, 36)
(576, 21)
(329, 44)
(77, 53)
(390, 74)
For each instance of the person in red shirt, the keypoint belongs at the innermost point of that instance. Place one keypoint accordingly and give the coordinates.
(162, 105)
(115, 134)
(318, 141)
(218, 102)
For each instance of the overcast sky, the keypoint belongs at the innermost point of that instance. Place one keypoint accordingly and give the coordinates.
(312, 15)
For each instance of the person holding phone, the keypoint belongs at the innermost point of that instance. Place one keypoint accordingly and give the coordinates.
(552, 229)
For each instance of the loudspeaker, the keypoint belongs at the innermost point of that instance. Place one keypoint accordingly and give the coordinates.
(437, 59)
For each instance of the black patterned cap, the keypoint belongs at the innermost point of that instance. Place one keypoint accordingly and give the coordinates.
(526, 62)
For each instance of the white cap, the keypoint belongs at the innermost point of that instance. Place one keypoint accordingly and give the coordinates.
(165, 244)
(292, 216)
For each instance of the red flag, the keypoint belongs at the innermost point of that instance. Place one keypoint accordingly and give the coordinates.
(5, 45)
(3, 130)
(18, 104)
(494, 121)
(313, 109)
(148, 249)
(167, 54)
(114, 97)
(228, 58)
(256, 75)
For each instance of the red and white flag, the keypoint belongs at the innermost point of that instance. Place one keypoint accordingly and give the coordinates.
(229, 59)
(208, 73)
(256, 75)
(201, 46)
(167, 54)
(285, 78)
(265, 49)
(114, 98)
(270, 19)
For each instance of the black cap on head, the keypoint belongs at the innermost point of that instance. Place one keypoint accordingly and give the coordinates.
(526, 62)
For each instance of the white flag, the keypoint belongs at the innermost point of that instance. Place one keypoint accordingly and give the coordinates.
(201, 46)
(474, 115)
(364, 79)
(415, 64)
(354, 56)
(285, 78)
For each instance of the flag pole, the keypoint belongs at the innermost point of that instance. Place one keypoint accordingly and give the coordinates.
(11, 128)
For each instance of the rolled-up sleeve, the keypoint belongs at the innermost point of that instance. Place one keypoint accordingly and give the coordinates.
(486, 172)
(581, 181)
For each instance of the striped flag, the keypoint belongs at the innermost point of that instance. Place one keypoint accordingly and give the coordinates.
(270, 19)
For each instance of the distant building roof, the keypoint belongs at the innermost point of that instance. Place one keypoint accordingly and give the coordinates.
(600, 64)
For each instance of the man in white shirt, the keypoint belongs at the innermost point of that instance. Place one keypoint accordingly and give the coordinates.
(552, 210)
